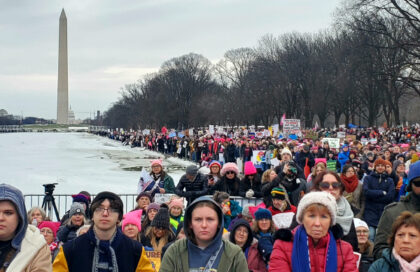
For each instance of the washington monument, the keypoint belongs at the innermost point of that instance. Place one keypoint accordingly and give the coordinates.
(63, 82)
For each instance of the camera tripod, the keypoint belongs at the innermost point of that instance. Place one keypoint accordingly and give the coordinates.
(48, 204)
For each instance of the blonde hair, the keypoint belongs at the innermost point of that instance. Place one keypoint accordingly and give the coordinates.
(266, 176)
(320, 164)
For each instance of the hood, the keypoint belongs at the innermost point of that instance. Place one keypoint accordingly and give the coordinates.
(187, 218)
(14, 195)
(241, 222)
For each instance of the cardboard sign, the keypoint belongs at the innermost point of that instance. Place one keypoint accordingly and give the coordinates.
(292, 126)
(333, 142)
(163, 198)
(283, 220)
(258, 157)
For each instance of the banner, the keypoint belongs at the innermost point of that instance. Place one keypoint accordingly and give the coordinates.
(292, 126)
(333, 142)
(154, 258)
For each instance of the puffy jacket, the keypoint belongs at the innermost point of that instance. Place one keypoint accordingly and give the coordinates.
(385, 264)
(410, 203)
(247, 184)
(230, 186)
(374, 187)
(281, 257)
(67, 233)
(193, 189)
(254, 259)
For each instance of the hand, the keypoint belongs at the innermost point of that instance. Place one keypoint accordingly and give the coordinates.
(161, 190)
(286, 168)
(225, 209)
(211, 181)
(249, 193)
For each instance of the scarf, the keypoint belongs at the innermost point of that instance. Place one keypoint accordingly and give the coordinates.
(300, 255)
(350, 183)
(405, 266)
(344, 214)
(104, 256)
(53, 246)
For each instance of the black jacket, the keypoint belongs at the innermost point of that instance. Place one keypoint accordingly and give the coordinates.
(245, 185)
(193, 189)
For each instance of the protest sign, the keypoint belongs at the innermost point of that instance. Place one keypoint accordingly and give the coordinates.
(341, 134)
(163, 198)
(291, 126)
(155, 259)
(211, 129)
(144, 181)
(283, 220)
(258, 157)
(332, 142)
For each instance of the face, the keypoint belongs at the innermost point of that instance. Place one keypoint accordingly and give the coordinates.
(250, 176)
(401, 168)
(131, 231)
(333, 188)
(105, 218)
(230, 174)
(158, 232)
(264, 224)
(156, 169)
(273, 175)
(319, 169)
(176, 211)
(350, 172)
(190, 177)
(214, 169)
(77, 219)
(380, 168)
(48, 235)
(143, 202)
(36, 214)
(241, 235)
(204, 224)
(388, 169)
(9, 220)
(407, 241)
(362, 235)
(316, 223)
(286, 157)
(387, 154)
(416, 189)
(151, 214)
(278, 203)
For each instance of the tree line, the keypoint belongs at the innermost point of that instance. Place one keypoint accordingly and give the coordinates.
(360, 68)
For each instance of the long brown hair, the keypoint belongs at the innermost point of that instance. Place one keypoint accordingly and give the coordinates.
(166, 238)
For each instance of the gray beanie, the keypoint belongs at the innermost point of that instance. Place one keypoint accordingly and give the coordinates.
(192, 170)
(245, 210)
(75, 208)
(395, 164)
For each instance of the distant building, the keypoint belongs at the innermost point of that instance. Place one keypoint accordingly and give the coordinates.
(71, 118)
(3, 113)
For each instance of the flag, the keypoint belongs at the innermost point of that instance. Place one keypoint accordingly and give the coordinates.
(282, 119)
(316, 125)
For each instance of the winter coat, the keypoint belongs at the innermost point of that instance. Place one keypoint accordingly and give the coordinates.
(34, 255)
(295, 188)
(176, 258)
(254, 259)
(167, 183)
(374, 187)
(301, 159)
(357, 200)
(230, 153)
(31, 252)
(235, 210)
(281, 257)
(410, 203)
(77, 255)
(246, 184)
(385, 264)
(230, 186)
(67, 233)
(193, 189)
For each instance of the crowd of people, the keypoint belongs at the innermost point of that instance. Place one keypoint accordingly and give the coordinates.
(351, 209)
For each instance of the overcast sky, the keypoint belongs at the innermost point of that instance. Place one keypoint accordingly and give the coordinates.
(113, 43)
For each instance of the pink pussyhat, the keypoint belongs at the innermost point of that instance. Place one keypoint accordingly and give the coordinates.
(133, 218)
(157, 162)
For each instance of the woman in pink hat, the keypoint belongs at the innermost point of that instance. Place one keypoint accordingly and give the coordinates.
(49, 230)
(162, 183)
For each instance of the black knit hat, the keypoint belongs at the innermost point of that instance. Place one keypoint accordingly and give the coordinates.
(117, 202)
(161, 219)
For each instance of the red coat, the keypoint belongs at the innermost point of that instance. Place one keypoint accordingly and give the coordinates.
(255, 261)
(275, 211)
(281, 257)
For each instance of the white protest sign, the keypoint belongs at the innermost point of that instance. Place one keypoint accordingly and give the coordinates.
(364, 141)
(211, 129)
(258, 156)
(275, 129)
(283, 220)
(144, 180)
(373, 140)
(291, 126)
(163, 198)
(341, 134)
(332, 142)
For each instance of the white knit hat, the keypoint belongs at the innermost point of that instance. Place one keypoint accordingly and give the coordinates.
(322, 198)
(360, 223)
(286, 151)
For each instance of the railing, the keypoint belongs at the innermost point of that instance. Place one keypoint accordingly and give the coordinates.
(63, 202)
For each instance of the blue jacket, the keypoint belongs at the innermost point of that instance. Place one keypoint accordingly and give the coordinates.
(374, 187)
(235, 210)
(387, 263)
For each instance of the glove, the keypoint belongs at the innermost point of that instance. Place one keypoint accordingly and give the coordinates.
(249, 193)
(384, 192)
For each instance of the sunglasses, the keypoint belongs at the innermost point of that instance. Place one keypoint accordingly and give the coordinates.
(230, 172)
(326, 185)
(416, 183)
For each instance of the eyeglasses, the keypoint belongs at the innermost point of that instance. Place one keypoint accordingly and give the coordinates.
(46, 231)
(350, 171)
(230, 172)
(100, 210)
(326, 185)
(416, 183)
(362, 231)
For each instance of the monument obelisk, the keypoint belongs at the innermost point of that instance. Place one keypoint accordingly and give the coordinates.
(63, 81)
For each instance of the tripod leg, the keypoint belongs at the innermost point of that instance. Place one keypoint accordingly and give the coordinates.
(55, 209)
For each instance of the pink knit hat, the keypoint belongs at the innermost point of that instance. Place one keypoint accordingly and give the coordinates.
(249, 168)
(176, 202)
(134, 218)
(157, 162)
(230, 166)
(51, 225)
